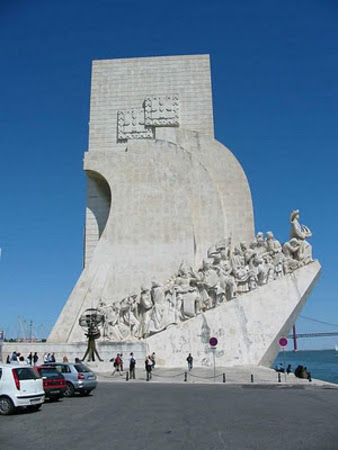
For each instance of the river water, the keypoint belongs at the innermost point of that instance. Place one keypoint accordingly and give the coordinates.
(323, 364)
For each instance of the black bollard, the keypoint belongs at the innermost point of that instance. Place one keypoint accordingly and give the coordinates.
(224, 379)
(252, 378)
(127, 376)
(279, 377)
(185, 376)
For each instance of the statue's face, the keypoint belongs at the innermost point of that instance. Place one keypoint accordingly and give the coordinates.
(243, 246)
(217, 259)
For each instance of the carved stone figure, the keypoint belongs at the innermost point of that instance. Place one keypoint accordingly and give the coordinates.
(128, 311)
(261, 244)
(226, 286)
(275, 250)
(290, 250)
(240, 272)
(269, 269)
(301, 232)
(185, 285)
(206, 283)
(257, 272)
(145, 308)
(163, 314)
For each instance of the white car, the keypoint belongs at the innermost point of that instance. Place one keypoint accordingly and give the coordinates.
(20, 386)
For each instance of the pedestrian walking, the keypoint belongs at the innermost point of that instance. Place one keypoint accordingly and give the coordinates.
(152, 358)
(117, 365)
(132, 364)
(148, 366)
(35, 359)
(29, 359)
(14, 357)
(190, 361)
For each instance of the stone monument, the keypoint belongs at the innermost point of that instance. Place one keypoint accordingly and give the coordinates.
(171, 257)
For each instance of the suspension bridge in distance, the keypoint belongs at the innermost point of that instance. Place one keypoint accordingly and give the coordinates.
(295, 336)
(311, 335)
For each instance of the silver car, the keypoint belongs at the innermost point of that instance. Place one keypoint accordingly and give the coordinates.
(78, 378)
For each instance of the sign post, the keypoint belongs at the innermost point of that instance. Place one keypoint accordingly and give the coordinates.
(283, 342)
(213, 344)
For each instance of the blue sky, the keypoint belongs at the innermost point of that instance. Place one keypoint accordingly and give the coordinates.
(274, 73)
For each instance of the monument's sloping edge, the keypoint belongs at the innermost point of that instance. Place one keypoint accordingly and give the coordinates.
(247, 328)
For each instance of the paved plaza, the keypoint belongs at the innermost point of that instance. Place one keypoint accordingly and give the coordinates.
(221, 375)
(181, 417)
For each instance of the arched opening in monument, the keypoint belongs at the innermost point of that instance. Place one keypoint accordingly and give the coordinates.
(98, 207)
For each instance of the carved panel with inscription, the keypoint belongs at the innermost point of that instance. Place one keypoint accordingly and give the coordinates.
(130, 125)
(161, 111)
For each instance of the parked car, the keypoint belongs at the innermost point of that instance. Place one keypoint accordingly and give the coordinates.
(78, 378)
(20, 387)
(54, 383)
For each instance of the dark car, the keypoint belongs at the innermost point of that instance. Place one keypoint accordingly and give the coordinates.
(54, 383)
(78, 378)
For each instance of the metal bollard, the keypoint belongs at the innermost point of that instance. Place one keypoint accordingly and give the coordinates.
(279, 377)
(185, 376)
(224, 379)
(127, 376)
(252, 378)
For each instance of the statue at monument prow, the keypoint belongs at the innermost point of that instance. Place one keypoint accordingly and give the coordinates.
(224, 275)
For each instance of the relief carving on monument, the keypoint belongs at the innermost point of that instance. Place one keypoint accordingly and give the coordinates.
(225, 274)
(139, 123)
(130, 125)
(161, 110)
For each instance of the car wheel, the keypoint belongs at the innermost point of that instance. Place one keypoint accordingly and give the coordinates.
(34, 408)
(85, 392)
(6, 406)
(69, 392)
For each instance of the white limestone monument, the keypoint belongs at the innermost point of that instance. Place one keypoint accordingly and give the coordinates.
(171, 256)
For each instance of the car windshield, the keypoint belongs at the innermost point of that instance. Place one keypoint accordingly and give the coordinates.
(81, 368)
(45, 372)
(27, 373)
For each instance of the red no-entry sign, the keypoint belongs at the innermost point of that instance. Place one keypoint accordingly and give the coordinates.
(213, 342)
(283, 342)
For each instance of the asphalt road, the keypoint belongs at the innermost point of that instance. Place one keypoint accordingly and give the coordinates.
(157, 416)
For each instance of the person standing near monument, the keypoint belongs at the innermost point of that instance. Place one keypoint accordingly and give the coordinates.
(148, 367)
(152, 359)
(132, 364)
(29, 359)
(35, 359)
(190, 360)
